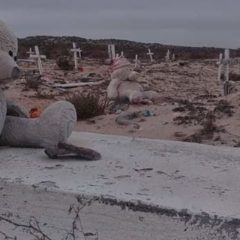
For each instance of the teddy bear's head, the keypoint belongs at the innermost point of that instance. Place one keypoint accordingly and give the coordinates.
(8, 51)
(8, 67)
(122, 70)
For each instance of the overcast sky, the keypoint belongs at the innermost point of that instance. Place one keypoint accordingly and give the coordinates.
(180, 22)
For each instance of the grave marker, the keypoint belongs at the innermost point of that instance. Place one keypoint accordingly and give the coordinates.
(39, 58)
(136, 61)
(167, 57)
(76, 54)
(111, 51)
(30, 52)
(220, 61)
(150, 54)
(226, 62)
(224, 67)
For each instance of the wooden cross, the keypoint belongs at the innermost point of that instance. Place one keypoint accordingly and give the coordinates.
(136, 61)
(39, 58)
(224, 65)
(220, 64)
(150, 55)
(30, 52)
(167, 57)
(111, 51)
(76, 54)
(226, 62)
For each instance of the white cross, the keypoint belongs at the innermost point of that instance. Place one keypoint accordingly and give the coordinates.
(173, 57)
(30, 52)
(136, 61)
(111, 51)
(220, 64)
(167, 57)
(226, 62)
(150, 55)
(122, 54)
(39, 58)
(76, 53)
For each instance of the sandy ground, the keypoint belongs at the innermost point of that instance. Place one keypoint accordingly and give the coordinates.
(191, 105)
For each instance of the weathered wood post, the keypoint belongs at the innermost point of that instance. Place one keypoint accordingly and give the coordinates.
(226, 62)
(167, 57)
(136, 61)
(76, 51)
(39, 58)
(220, 65)
(30, 52)
(111, 51)
(150, 54)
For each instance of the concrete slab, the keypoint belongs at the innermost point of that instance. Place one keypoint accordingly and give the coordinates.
(141, 189)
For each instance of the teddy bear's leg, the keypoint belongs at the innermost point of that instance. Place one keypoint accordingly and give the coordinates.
(151, 95)
(13, 109)
(112, 90)
(135, 97)
(50, 131)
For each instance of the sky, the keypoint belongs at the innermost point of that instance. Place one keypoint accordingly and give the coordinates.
(210, 23)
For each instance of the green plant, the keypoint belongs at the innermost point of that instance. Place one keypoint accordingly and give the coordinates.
(88, 105)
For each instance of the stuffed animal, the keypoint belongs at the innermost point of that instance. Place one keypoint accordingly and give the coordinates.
(124, 85)
(50, 130)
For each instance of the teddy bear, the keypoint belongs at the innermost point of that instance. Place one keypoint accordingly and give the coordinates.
(49, 131)
(124, 85)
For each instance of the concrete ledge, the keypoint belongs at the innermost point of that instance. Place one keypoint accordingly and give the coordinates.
(141, 189)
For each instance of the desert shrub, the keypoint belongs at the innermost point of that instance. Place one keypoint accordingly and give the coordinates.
(225, 107)
(88, 104)
(209, 126)
(65, 63)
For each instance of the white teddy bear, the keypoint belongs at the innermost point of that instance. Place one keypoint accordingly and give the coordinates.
(124, 84)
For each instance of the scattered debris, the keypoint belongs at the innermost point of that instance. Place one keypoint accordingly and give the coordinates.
(125, 118)
(81, 84)
(35, 113)
(33, 81)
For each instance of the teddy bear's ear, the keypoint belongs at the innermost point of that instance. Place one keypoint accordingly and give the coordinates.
(8, 40)
(8, 67)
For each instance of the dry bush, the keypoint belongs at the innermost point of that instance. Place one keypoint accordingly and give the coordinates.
(224, 107)
(65, 63)
(88, 105)
(207, 131)
(194, 112)
(209, 126)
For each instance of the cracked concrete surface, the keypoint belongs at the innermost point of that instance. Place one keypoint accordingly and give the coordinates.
(142, 189)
